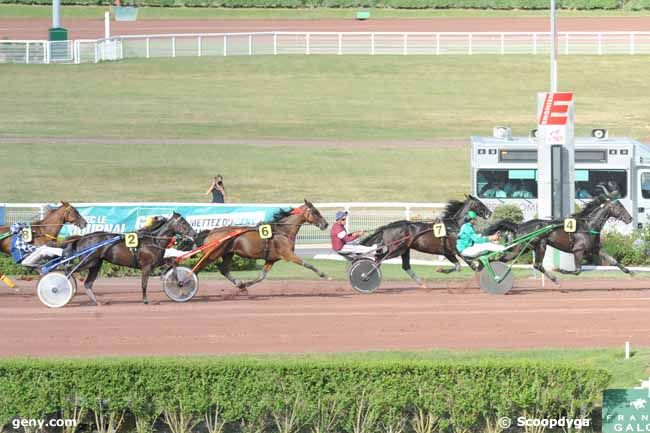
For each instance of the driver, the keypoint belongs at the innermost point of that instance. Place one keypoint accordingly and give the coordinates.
(27, 254)
(344, 242)
(472, 244)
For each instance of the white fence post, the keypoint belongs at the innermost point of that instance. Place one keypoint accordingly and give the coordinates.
(600, 44)
(494, 42)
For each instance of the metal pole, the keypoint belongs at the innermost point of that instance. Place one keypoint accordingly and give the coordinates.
(56, 14)
(107, 25)
(553, 48)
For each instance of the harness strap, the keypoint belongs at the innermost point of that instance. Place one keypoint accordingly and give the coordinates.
(266, 249)
(594, 232)
(5, 235)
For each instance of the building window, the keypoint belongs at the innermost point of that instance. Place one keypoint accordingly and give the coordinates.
(587, 182)
(504, 184)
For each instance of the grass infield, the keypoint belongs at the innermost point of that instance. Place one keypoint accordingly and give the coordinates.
(350, 98)
(368, 113)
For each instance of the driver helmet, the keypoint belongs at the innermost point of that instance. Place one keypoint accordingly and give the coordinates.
(471, 215)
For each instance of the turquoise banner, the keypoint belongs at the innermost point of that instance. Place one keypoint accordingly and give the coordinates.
(124, 219)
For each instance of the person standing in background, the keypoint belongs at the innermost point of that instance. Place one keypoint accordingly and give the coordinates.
(217, 189)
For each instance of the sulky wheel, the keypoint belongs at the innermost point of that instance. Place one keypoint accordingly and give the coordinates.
(180, 284)
(503, 281)
(364, 275)
(55, 289)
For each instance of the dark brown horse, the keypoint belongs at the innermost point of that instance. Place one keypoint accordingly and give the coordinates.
(147, 256)
(584, 243)
(285, 226)
(401, 236)
(47, 229)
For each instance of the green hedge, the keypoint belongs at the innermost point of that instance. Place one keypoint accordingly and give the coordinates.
(7, 266)
(461, 397)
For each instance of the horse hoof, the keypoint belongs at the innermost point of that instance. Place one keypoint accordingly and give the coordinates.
(423, 286)
(145, 301)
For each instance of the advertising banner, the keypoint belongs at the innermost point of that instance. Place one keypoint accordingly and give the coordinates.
(127, 218)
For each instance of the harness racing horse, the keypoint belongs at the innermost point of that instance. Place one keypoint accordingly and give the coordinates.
(584, 243)
(249, 243)
(148, 255)
(47, 229)
(402, 236)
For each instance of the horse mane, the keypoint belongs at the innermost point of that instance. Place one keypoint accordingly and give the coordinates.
(376, 236)
(592, 205)
(452, 208)
(282, 213)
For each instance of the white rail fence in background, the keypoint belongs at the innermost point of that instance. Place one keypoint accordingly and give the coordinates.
(332, 43)
(362, 216)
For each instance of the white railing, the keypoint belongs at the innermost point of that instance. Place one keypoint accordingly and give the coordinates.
(362, 215)
(331, 43)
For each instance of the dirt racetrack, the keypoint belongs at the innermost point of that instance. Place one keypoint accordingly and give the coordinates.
(311, 316)
(36, 28)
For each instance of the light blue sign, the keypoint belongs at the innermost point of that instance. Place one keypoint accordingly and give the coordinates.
(124, 219)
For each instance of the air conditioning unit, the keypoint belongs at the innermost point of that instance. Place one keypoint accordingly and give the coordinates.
(599, 134)
(502, 133)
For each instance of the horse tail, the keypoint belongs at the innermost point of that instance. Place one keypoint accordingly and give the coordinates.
(504, 225)
(200, 237)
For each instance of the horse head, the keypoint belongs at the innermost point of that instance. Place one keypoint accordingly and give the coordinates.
(312, 215)
(181, 226)
(477, 206)
(71, 215)
(615, 209)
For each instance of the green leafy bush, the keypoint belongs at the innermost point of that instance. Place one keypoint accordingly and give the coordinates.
(629, 250)
(508, 211)
(7, 266)
(460, 395)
